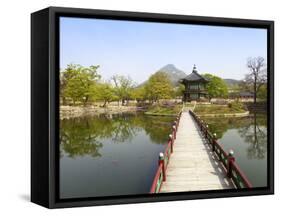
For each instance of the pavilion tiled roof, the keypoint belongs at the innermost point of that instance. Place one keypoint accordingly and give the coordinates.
(195, 76)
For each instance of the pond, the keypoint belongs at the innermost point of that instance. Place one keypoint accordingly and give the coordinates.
(109, 155)
(247, 136)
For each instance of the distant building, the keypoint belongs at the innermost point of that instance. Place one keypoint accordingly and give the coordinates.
(195, 86)
(246, 95)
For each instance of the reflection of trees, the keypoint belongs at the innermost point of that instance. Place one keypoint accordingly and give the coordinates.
(255, 134)
(252, 129)
(83, 136)
(77, 138)
(157, 127)
(220, 128)
(221, 125)
(122, 128)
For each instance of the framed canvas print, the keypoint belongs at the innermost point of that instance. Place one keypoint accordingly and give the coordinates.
(139, 107)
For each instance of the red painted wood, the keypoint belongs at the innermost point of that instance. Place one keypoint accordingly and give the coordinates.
(246, 181)
(162, 164)
(231, 161)
(172, 145)
(155, 180)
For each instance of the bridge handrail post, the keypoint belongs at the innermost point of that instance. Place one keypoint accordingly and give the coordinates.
(230, 161)
(206, 131)
(174, 132)
(161, 161)
(214, 141)
(172, 142)
(233, 171)
(176, 125)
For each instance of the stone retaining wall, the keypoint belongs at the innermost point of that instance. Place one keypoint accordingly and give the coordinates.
(78, 111)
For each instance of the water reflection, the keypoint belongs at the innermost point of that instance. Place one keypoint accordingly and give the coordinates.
(83, 136)
(247, 136)
(78, 138)
(110, 155)
(255, 134)
(252, 129)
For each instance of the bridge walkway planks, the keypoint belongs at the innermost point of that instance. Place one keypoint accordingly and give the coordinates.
(193, 166)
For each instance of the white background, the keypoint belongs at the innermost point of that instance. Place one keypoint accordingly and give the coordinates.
(15, 106)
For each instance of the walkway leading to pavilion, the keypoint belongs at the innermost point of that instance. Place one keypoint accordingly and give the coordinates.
(193, 165)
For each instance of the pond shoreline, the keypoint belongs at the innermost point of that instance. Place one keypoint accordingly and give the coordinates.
(67, 112)
(244, 114)
(160, 114)
(97, 150)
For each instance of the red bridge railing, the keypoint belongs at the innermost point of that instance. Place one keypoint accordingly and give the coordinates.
(164, 159)
(227, 159)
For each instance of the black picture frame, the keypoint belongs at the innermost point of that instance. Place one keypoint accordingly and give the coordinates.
(45, 105)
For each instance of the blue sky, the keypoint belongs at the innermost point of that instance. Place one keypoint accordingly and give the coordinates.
(138, 49)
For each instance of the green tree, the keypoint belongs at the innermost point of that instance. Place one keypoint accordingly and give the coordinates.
(91, 77)
(105, 92)
(179, 90)
(138, 94)
(158, 87)
(216, 87)
(72, 83)
(77, 82)
(123, 87)
(262, 92)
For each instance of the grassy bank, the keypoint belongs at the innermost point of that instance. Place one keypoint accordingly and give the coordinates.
(231, 108)
(164, 110)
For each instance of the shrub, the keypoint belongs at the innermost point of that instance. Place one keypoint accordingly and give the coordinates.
(236, 106)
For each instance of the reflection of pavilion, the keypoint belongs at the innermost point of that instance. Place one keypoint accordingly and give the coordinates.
(195, 86)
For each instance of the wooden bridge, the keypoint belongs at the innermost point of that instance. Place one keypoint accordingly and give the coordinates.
(194, 160)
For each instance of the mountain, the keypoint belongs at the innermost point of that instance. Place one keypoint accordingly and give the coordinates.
(231, 82)
(173, 73)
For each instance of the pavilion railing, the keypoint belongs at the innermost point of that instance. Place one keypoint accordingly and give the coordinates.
(164, 158)
(227, 159)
